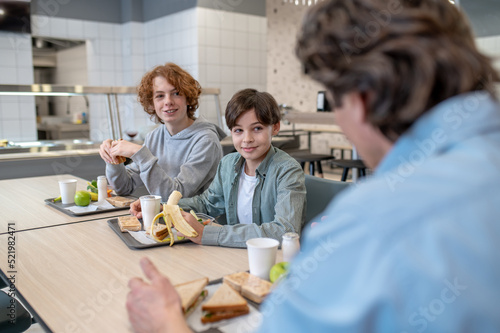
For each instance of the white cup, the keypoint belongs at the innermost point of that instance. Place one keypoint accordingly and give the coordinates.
(150, 206)
(68, 190)
(262, 256)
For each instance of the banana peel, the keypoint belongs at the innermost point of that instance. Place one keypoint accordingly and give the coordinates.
(93, 196)
(91, 187)
(173, 219)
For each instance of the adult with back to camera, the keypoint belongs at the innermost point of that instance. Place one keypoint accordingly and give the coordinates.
(181, 154)
(414, 247)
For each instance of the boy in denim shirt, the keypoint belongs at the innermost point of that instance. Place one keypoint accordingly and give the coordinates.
(258, 191)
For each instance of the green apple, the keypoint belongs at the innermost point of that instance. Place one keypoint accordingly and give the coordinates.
(278, 270)
(82, 198)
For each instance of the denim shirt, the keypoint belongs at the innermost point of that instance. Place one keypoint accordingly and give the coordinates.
(278, 204)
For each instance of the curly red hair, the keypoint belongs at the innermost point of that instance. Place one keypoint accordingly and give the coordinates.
(176, 76)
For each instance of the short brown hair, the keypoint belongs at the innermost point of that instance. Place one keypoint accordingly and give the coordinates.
(264, 104)
(404, 56)
(176, 76)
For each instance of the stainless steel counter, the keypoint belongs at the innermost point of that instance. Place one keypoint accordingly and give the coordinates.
(48, 149)
(42, 158)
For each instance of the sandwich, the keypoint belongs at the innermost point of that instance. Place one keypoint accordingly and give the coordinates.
(192, 294)
(236, 280)
(120, 201)
(118, 159)
(250, 286)
(255, 288)
(129, 223)
(225, 303)
(160, 232)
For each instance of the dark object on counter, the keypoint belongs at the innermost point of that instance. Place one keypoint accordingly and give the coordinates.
(322, 104)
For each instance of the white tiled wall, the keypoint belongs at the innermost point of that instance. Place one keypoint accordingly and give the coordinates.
(232, 55)
(17, 113)
(220, 49)
(114, 57)
(170, 38)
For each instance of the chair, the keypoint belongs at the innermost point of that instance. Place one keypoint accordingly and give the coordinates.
(314, 160)
(22, 316)
(350, 164)
(320, 192)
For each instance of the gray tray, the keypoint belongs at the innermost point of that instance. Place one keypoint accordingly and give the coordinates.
(131, 242)
(63, 207)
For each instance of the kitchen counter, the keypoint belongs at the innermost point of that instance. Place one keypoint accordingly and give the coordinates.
(46, 148)
(48, 154)
(44, 158)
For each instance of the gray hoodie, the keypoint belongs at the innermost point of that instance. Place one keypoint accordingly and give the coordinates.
(186, 162)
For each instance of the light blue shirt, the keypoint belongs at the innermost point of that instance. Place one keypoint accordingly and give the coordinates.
(413, 248)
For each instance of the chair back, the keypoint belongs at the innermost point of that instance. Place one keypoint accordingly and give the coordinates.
(320, 192)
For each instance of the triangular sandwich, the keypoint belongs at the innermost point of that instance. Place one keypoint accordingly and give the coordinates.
(192, 294)
(225, 303)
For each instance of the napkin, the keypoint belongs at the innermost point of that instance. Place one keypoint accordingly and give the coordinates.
(142, 238)
(90, 208)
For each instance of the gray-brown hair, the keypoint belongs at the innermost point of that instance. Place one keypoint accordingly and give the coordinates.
(404, 56)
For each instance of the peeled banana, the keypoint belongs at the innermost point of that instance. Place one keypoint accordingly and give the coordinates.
(173, 218)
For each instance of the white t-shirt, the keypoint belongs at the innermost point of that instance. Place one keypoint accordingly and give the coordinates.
(246, 190)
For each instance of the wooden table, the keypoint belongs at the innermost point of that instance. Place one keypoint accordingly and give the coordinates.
(22, 202)
(75, 276)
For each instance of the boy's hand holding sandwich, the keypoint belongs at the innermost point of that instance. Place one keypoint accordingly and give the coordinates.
(154, 306)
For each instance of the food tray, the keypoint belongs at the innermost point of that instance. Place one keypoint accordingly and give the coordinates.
(131, 242)
(62, 207)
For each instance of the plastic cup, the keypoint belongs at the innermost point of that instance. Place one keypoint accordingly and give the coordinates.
(262, 256)
(150, 206)
(68, 190)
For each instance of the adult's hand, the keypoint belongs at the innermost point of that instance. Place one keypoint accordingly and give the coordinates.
(105, 151)
(124, 148)
(135, 209)
(154, 306)
(197, 226)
